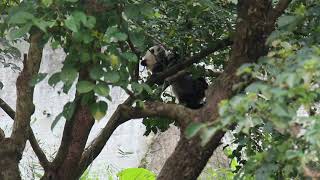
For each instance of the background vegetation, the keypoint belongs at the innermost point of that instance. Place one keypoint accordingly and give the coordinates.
(260, 57)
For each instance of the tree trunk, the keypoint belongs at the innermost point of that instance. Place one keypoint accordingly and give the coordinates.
(188, 160)
(12, 148)
(252, 29)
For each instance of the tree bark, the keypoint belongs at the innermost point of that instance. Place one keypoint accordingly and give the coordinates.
(70, 167)
(65, 166)
(252, 29)
(11, 149)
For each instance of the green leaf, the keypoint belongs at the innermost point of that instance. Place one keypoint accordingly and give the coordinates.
(136, 173)
(138, 39)
(244, 69)
(207, 134)
(96, 73)
(279, 110)
(56, 120)
(99, 109)
(147, 88)
(84, 57)
(114, 35)
(47, 3)
(68, 110)
(286, 20)
(88, 98)
(43, 25)
(102, 89)
(193, 128)
(119, 36)
(111, 77)
(66, 87)
(130, 57)
(37, 78)
(91, 22)
(16, 33)
(54, 79)
(20, 17)
(72, 24)
(137, 88)
(79, 16)
(68, 75)
(85, 86)
(131, 11)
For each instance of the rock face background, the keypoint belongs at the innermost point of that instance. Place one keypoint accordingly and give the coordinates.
(127, 146)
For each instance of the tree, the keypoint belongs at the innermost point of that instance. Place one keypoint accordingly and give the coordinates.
(268, 73)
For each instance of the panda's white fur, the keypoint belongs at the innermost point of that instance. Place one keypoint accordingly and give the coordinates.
(189, 91)
(150, 59)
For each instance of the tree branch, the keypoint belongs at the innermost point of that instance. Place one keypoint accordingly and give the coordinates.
(7, 109)
(176, 112)
(119, 117)
(96, 146)
(278, 10)
(32, 139)
(74, 139)
(38, 151)
(125, 113)
(2, 135)
(212, 47)
(24, 102)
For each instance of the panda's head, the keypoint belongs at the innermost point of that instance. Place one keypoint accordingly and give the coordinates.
(155, 58)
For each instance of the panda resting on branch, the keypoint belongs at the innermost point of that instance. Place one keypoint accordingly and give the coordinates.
(189, 91)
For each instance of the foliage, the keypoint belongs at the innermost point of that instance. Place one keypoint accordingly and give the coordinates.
(102, 51)
(110, 61)
(277, 116)
(136, 173)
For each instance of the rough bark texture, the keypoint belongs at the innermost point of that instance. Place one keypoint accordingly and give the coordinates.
(11, 149)
(80, 132)
(252, 29)
(76, 132)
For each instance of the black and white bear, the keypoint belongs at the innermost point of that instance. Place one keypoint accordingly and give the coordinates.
(189, 91)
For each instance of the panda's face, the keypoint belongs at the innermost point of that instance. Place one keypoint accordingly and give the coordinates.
(153, 56)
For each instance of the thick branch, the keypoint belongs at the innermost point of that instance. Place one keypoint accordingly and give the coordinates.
(96, 146)
(124, 113)
(75, 135)
(176, 112)
(24, 104)
(278, 10)
(32, 139)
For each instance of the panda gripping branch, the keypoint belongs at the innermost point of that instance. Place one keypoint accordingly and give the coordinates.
(189, 91)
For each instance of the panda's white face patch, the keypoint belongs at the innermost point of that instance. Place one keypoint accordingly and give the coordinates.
(149, 59)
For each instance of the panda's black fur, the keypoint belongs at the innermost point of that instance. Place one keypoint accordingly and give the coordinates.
(189, 91)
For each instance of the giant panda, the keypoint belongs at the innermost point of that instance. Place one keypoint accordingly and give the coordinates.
(189, 91)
